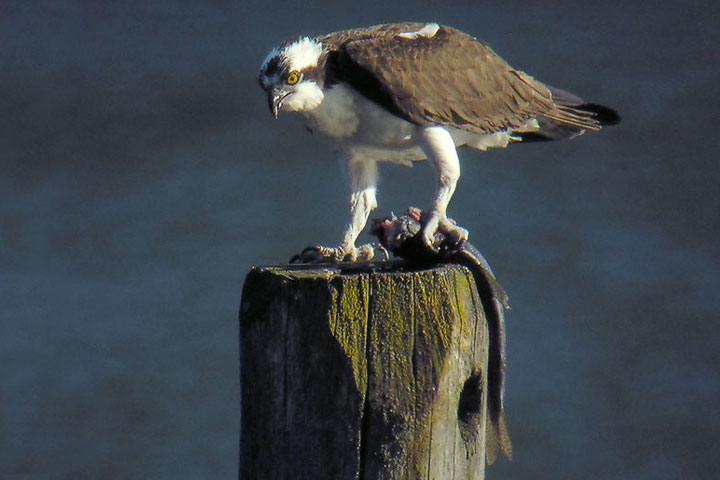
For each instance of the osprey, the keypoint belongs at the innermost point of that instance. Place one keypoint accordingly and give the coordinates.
(408, 92)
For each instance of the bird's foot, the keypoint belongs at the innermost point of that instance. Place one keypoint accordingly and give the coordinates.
(410, 235)
(455, 235)
(363, 253)
(438, 231)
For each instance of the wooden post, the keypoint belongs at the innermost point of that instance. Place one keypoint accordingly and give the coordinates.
(366, 372)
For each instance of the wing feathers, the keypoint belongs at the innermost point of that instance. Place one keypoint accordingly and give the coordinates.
(449, 79)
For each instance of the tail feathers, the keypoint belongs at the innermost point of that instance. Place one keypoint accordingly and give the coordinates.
(497, 439)
(604, 115)
(563, 127)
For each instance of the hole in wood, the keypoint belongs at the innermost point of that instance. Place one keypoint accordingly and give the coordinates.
(470, 406)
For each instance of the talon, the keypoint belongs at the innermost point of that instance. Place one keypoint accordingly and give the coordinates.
(368, 252)
(429, 240)
(429, 233)
(454, 234)
(365, 253)
(320, 254)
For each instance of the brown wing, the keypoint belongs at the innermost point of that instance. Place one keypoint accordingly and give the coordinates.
(450, 79)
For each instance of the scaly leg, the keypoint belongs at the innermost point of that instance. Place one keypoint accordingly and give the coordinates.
(362, 181)
(438, 145)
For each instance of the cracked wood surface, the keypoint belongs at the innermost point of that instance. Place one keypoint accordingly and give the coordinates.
(371, 372)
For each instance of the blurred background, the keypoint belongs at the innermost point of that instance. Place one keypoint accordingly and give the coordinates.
(141, 176)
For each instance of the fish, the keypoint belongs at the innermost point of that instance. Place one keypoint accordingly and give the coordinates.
(402, 236)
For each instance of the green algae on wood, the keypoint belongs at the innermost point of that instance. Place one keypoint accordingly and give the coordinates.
(352, 373)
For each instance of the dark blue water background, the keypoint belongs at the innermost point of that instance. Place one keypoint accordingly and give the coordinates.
(141, 176)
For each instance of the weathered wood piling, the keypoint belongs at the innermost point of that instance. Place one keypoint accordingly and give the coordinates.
(362, 373)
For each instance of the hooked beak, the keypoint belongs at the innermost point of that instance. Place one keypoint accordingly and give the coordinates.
(275, 100)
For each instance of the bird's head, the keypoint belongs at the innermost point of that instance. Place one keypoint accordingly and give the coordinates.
(292, 76)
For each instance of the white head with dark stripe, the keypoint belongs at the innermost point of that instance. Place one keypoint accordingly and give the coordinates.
(292, 75)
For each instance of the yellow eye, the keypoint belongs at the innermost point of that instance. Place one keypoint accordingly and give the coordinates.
(293, 78)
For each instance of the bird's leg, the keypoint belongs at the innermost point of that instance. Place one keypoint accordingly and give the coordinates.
(438, 145)
(362, 181)
(362, 202)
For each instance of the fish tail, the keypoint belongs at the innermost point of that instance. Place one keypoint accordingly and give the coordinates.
(497, 439)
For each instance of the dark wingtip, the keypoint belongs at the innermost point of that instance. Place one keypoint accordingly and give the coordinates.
(551, 130)
(606, 116)
(528, 137)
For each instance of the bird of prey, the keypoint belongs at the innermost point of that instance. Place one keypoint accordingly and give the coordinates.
(408, 92)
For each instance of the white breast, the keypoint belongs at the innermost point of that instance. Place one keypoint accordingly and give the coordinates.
(358, 126)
